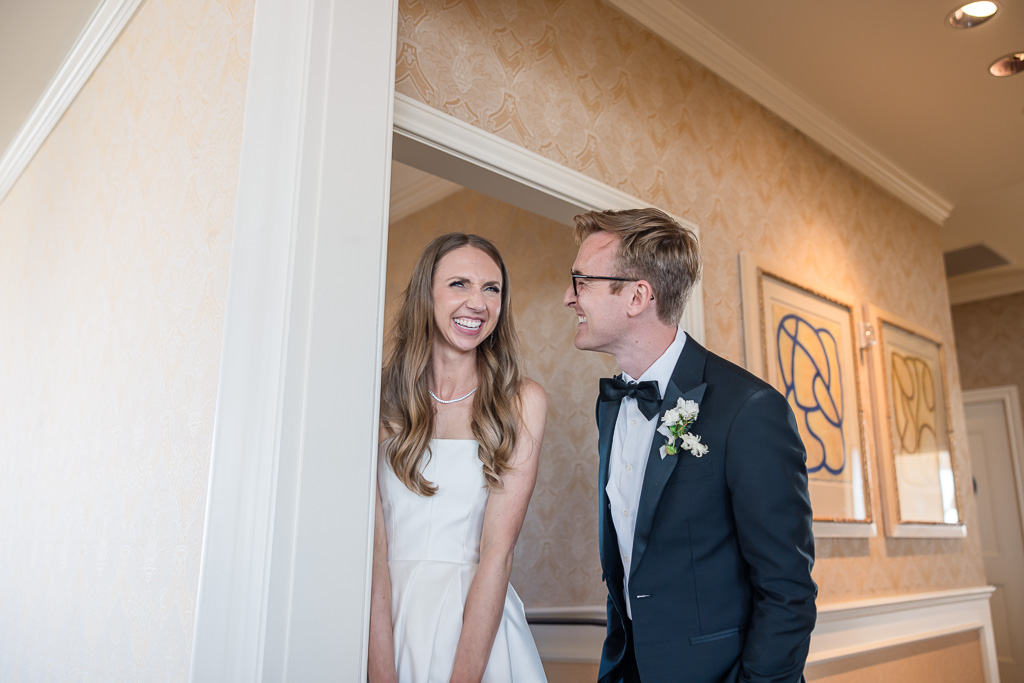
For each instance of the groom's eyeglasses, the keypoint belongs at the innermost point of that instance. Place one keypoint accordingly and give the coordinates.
(576, 277)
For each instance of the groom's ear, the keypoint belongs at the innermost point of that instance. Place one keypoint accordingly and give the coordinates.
(641, 297)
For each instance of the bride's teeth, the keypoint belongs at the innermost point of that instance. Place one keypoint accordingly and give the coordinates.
(468, 324)
(582, 318)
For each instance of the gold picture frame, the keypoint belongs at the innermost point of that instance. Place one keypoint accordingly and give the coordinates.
(921, 492)
(805, 343)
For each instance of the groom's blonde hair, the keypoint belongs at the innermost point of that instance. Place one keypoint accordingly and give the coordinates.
(653, 247)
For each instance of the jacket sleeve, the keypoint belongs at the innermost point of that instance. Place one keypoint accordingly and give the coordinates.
(767, 476)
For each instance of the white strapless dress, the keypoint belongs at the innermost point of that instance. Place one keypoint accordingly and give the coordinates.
(433, 552)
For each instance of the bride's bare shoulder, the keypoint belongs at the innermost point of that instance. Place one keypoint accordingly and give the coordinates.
(534, 401)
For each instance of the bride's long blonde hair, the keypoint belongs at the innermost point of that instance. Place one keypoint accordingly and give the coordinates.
(405, 406)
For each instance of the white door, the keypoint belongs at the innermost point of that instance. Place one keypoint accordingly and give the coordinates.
(994, 433)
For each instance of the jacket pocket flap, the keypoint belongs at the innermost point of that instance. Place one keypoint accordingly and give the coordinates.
(718, 635)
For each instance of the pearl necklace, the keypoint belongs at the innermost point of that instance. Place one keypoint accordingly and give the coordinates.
(454, 400)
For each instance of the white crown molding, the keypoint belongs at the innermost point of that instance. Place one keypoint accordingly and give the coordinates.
(692, 36)
(555, 191)
(985, 285)
(846, 629)
(99, 34)
(423, 190)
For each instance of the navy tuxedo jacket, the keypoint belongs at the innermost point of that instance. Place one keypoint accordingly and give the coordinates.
(720, 580)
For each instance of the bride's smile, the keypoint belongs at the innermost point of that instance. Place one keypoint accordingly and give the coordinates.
(467, 298)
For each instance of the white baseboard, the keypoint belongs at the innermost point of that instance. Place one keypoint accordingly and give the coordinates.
(844, 629)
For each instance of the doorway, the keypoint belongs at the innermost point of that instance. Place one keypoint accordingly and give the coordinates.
(994, 433)
(450, 176)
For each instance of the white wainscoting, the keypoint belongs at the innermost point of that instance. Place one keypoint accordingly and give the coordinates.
(845, 629)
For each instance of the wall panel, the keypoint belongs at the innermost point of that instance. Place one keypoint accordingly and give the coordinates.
(114, 249)
(988, 342)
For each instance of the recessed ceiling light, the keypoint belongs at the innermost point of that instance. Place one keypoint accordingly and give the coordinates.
(972, 14)
(1009, 65)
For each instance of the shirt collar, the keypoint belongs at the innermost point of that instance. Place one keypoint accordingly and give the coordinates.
(661, 369)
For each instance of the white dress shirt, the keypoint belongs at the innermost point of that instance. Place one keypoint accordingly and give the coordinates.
(627, 462)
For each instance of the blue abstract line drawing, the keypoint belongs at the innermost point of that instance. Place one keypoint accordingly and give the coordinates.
(808, 358)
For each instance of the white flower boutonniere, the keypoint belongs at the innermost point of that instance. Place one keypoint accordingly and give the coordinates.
(675, 426)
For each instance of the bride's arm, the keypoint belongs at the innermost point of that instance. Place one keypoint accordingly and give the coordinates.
(503, 519)
(381, 661)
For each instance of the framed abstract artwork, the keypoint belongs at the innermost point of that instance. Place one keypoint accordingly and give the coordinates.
(920, 492)
(804, 342)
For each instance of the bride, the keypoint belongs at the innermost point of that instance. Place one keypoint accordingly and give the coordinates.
(461, 429)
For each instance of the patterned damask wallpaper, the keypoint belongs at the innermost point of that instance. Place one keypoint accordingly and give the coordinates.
(988, 342)
(585, 86)
(114, 250)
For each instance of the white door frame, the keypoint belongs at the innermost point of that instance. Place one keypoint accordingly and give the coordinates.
(285, 571)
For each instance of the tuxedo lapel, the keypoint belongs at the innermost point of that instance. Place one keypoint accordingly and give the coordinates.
(686, 384)
(608, 412)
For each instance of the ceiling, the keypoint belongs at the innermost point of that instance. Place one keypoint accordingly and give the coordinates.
(886, 86)
(892, 90)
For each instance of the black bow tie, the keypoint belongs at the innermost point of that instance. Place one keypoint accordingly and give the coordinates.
(647, 396)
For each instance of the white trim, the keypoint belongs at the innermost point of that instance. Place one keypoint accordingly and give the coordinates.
(844, 529)
(100, 32)
(843, 630)
(985, 285)
(692, 36)
(857, 628)
(432, 140)
(1010, 398)
(423, 123)
(911, 530)
(285, 572)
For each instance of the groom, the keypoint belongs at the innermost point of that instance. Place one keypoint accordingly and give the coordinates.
(705, 520)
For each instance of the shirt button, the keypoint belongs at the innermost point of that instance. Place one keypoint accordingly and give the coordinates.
(632, 423)
(626, 558)
(629, 468)
(625, 513)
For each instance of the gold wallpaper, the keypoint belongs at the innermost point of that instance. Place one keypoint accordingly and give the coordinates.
(557, 550)
(585, 86)
(988, 342)
(114, 250)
